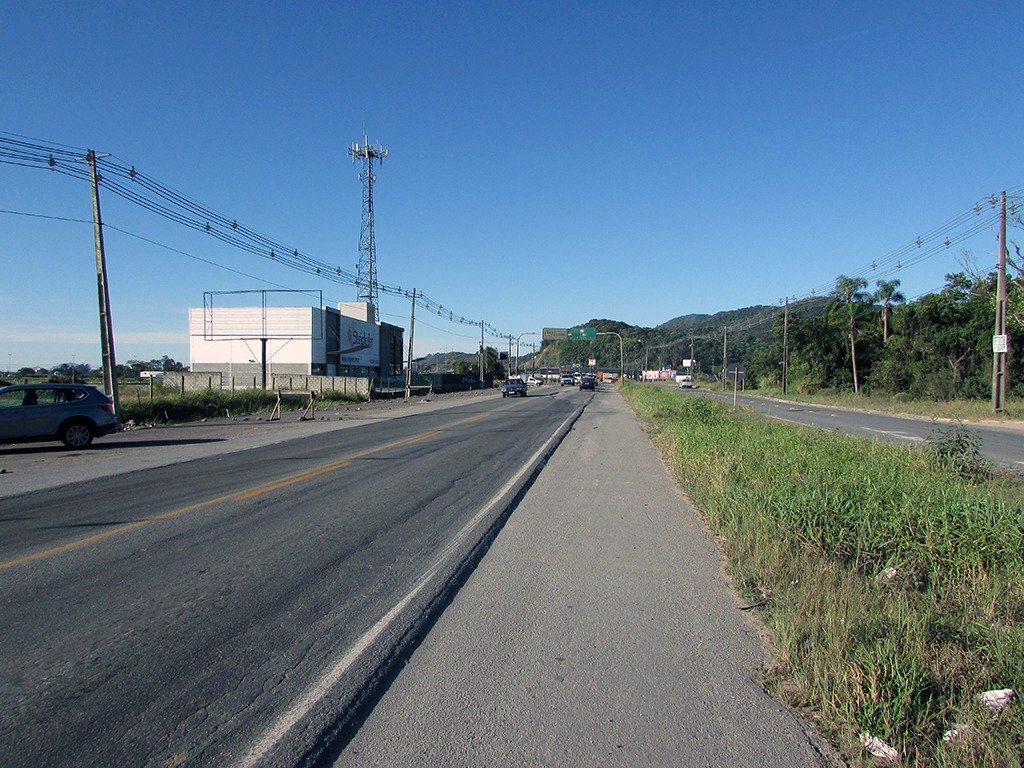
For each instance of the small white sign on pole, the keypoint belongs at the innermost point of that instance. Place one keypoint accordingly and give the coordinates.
(1000, 344)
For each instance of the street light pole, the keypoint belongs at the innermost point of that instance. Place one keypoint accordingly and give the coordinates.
(524, 333)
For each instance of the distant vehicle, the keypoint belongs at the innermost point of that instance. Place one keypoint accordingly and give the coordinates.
(71, 413)
(567, 378)
(513, 387)
(588, 381)
(533, 381)
(685, 381)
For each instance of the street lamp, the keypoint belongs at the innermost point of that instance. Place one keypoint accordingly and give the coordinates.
(524, 333)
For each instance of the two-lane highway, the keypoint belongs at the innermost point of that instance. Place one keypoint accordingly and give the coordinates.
(1001, 443)
(234, 609)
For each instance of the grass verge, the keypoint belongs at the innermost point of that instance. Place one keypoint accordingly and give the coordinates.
(892, 581)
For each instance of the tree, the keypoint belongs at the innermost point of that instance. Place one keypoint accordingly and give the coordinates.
(850, 290)
(888, 293)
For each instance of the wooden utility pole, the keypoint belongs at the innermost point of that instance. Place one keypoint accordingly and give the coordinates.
(1000, 341)
(412, 329)
(785, 349)
(106, 324)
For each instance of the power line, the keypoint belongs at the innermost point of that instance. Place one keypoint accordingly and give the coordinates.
(132, 185)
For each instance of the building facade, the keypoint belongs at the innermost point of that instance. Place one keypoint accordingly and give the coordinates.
(255, 341)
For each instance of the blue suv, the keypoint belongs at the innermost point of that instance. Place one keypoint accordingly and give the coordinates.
(71, 413)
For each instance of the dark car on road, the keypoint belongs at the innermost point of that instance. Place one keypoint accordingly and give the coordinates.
(514, 387)
(588, 381)
(71, 413)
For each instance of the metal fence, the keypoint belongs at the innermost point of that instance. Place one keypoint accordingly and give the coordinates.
(438, 382)
(198, 381)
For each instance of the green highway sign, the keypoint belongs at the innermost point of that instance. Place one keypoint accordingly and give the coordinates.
(554, 334)
(583, 333)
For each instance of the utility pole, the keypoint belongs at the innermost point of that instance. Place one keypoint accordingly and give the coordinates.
(725, 353)
(412, 329)
(1000, 341)
(785, 349)
(481, 354)
(106, 324)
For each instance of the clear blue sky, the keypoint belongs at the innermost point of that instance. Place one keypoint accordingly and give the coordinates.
(550, 162)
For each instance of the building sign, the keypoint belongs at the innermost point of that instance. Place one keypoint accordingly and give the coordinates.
(358, 342)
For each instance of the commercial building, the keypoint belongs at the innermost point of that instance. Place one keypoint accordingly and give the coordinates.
(241, 342)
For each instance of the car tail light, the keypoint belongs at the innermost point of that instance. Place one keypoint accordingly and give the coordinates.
(108, 407)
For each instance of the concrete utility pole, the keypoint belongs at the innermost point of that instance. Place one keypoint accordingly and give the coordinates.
(412, 329)
(481, 354)
(1000, 341)
(785, 349)
(106, 324)
(725, 353)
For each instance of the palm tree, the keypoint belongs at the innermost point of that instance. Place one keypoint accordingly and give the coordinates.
(888, 294)
(850, 290)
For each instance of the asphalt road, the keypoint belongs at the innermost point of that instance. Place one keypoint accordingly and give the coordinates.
(236, 609)
(599, 630)
(1001, 443)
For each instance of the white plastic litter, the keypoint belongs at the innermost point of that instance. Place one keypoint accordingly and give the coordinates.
(879, 748)
(996, 699)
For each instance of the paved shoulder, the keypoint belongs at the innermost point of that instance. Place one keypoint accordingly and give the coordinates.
(598, 630)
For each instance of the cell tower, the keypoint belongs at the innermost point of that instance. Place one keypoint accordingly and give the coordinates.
(366, 269)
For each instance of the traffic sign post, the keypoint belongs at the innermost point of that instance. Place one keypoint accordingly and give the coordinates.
(583, 333)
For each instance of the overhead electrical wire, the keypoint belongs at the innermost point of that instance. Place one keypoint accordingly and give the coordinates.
(142, 190)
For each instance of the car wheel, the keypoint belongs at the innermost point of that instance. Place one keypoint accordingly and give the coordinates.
(77, 434)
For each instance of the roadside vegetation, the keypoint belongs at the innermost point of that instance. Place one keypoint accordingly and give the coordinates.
(890, 579)
(138, 406)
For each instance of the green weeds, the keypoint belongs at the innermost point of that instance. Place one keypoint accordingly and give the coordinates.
(895, 575)
(167, 408)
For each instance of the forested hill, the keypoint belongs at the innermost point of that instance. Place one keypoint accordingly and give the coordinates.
(747, 317)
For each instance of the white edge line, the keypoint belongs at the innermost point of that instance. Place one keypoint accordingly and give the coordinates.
(337, 670)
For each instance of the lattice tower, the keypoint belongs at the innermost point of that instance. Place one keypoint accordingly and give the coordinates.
(366, 269)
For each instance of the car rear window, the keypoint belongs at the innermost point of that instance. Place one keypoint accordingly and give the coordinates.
(68, 395)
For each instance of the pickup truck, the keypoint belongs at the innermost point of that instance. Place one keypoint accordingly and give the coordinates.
(513, 387)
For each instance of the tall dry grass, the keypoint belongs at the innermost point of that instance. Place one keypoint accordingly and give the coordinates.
(893, 586)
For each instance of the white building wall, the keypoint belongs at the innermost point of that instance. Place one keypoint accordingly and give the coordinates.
(228, 337)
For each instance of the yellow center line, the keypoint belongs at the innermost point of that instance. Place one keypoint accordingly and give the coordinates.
(242, 495)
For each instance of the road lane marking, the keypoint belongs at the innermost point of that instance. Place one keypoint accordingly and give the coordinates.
(280, 727)
(243, 495)
(898, 435)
